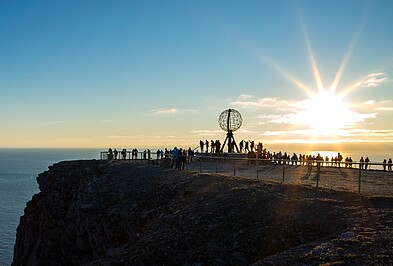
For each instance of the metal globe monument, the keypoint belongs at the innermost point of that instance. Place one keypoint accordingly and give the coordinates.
(230, 120)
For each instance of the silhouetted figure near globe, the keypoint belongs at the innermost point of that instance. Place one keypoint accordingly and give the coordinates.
(230, 120)
(201, 144)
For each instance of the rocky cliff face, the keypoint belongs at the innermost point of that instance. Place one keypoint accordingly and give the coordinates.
(114, 213)
(53, 226)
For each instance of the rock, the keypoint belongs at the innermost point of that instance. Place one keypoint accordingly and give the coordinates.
(238, 259)
(348, 234)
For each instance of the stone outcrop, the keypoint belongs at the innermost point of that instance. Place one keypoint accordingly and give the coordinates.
(119, 213)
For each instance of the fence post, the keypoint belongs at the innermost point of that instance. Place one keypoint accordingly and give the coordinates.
(360, 177)
(216, 165)
(283, 170)
(318, 171)
(234, 167)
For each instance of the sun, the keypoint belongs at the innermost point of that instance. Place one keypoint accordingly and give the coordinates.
(326, 114)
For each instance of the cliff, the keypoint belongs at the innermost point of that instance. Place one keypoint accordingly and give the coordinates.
(114, 213)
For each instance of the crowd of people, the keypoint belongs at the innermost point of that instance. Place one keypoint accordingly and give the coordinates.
(214, 146)
(258, 151)
(179, 156)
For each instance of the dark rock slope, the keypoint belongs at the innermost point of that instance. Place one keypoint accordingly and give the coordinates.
(113, 213)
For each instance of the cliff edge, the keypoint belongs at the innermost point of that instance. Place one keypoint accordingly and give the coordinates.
(120, 213)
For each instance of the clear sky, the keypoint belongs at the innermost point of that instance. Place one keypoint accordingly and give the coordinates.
(159, 73)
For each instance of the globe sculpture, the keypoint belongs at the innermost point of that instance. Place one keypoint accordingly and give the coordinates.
(230, 120)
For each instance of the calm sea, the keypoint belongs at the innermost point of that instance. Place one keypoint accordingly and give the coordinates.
(20, 167)
(18, 171)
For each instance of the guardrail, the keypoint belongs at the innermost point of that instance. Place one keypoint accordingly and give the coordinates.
(129, 155)
(315, 173)
(332, 175)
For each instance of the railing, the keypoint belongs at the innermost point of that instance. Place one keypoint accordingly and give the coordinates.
(331, 175)
(337, 176)
(129, 155)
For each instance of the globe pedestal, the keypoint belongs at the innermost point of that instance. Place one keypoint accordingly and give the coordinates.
(231, 143)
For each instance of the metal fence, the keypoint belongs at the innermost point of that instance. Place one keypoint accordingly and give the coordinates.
(128, 155)
(339, 176)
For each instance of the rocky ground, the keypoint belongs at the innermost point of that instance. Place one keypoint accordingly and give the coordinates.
(119, 213)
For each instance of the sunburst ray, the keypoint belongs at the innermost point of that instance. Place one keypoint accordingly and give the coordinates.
(314, 65)
(343, 64)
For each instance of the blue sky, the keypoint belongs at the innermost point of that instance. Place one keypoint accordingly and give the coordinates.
(159, 73)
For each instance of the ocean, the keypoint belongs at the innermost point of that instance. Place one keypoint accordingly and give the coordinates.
(18, 171)
(20, 167)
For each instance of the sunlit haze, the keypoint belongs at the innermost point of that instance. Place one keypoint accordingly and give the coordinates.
(159, 73)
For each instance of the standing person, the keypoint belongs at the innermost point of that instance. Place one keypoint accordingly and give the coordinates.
(241, 144)
(183, 160)
(115, 152)
(246, 149)
(390, 164)
(158, 154)
(294, 159)
(367, 161)
(309, 163)
(207, 145)
(110, 154)
(339, 159)
(218, 146)
(212, 146)
(179, 159)
(201, 144)
(319, 160)
(174, 155)
(190, 153)
(259, 148)
(361, 162)
(384, 164)
(148, 154)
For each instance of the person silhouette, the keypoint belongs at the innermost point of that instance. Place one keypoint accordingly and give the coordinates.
(201, 144)
(390, 164)
(361, 162)
(110, 154)
(367, 160)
